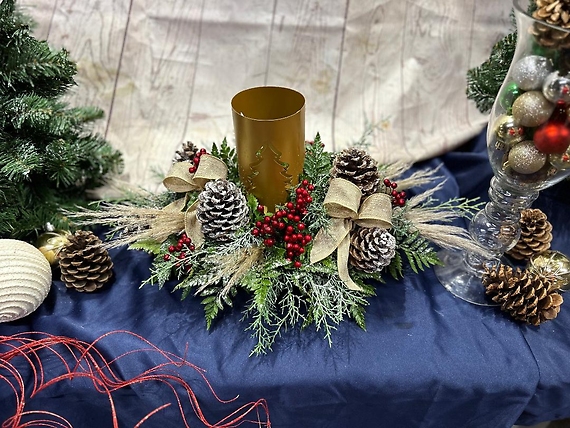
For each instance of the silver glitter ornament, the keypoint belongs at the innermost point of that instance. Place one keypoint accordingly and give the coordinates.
(529, 72)
(556, 87)
(524, 158)
(532, 109)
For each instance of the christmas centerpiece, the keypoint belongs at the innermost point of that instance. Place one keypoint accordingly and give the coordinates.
(309, 252)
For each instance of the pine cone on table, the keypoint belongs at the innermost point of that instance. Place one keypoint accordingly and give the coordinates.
(524, 295)
(359, 168)
(84, 263)
(536, 235)
(371, 248)
(553, 12)
(186, 153)
(222, 210)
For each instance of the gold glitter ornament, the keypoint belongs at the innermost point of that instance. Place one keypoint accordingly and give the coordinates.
(50, 244)
(524, 158)
(532, 109)
(552, 265)
(507, 132)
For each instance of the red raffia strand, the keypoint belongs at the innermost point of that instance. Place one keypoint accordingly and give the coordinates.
(88, 362)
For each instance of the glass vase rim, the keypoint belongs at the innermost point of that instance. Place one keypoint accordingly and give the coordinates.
(518, 7)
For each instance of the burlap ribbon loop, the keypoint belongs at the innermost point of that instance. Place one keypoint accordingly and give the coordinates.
(342, 203)
(180, 180)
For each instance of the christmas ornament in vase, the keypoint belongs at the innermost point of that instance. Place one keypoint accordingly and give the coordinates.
(528, 141)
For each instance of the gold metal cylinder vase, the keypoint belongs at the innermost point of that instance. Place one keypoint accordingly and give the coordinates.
(269, 125)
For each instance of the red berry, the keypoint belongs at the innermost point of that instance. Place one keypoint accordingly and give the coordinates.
(299, 191)
(281, 225)
(267, 230)
(269, 242)
(393, 185)
(308, 238)
(203, 151)
(297, 264)
(260, 208)
(290, 205)
(166, 257)
(178, 247)
(296, 247)
(308, 199)
(301, 250)
(290, 255)
(305, 182)
(300, 201)
(196, 160)
(301, 226)
(401, 202)
(297, 219)
(287, 238)
(311, 187)
(289, 229)
(394, 193)
(387, 182)
(290, 216)
(275, 223)
(255, 232)
(182, 255)
(191, 247)
(267, 219)
(187, 240)
(192, 169)
(258, 224)
(402, 194)
(171, 249)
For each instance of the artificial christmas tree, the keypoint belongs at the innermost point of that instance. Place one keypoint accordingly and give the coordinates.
(48, 159)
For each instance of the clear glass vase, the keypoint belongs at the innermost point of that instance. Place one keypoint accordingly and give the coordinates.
(527, 142)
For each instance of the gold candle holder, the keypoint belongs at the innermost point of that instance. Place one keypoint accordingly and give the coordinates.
(269, 125)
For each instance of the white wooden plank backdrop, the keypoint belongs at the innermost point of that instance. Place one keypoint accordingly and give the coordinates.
(165, 71)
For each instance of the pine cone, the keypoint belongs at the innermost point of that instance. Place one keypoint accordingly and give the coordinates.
(359, 168)
(524, 295)
(371, 248)
(536, 235)
(553, 12)
(85, 264)
(186, 153)
(222, 210)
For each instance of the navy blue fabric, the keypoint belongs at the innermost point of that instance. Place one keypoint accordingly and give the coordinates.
(427, 358)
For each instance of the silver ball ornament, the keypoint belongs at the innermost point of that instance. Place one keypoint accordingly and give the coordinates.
(532, 109)
(524, 158)
(529, 72)
(556, 87)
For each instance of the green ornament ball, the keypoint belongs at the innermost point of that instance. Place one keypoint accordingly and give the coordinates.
(508, 95)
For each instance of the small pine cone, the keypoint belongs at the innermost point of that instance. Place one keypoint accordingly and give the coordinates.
(222, 210)
(371, 248)
(536, 235)
(359, 168)
(524, 295)
(553, 12)
(84, 263)
(185, 153)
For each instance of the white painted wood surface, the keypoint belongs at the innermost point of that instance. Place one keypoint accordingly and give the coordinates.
(165, 71)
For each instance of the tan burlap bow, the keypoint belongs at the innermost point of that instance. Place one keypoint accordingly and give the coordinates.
(342, 203)
(180, 180)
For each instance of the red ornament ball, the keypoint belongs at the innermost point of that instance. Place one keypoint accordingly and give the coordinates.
(552, 137)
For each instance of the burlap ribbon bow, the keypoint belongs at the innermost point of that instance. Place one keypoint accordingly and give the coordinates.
(342, 203)
(180, 180)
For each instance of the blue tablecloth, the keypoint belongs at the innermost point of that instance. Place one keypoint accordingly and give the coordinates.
(427, 358)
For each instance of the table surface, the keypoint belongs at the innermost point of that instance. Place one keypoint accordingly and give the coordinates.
(427, 359)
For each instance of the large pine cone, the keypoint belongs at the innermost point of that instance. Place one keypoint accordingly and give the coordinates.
(553, 12)
(186, 153)
(524, 295)
(85, 264)
(536, 235)
(359, 168)
(371, 248)
(222, 210)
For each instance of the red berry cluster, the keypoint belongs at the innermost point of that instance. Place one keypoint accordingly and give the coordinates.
(398, 198)
(196, 160)
(181, 249)
(286, 225)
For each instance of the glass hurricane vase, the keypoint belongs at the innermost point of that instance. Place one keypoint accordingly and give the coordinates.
(527, 142)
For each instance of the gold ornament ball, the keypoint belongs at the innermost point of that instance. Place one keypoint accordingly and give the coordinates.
(51, 243)
(506, 130)
(524, 158)
(552, 265)
(532, 109)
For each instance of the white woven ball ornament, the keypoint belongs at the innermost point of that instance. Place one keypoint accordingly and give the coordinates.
(25, 279)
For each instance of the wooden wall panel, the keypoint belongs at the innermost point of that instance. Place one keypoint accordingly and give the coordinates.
(165, 72)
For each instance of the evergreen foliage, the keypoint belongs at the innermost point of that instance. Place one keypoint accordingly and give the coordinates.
(48, 159)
